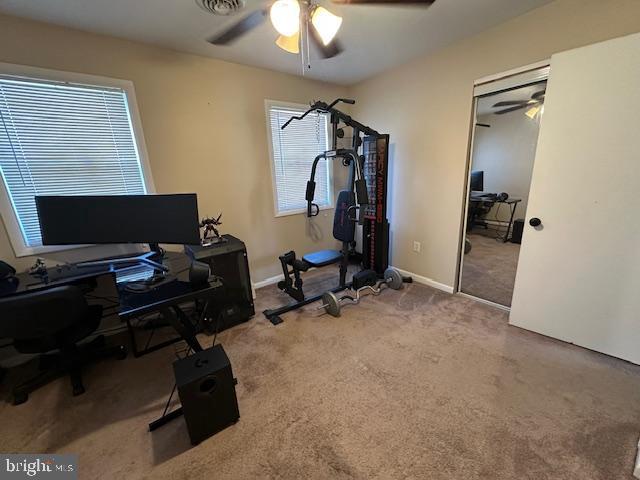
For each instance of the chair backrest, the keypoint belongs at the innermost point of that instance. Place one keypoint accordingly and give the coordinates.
(42, 313)
(344, 227)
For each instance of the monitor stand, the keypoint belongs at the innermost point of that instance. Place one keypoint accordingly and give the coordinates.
(144, 258)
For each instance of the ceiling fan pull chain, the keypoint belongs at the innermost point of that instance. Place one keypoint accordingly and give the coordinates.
(302, 40)
(302, 54)
(306, 23)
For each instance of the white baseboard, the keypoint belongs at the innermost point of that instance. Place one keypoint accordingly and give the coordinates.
(636, 471)
(426, 281)
(416, 278)
(265, 283)
(270, 281)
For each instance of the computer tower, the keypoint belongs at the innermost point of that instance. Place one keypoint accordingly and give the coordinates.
(228, 260)
(518, 229)
(207, 391)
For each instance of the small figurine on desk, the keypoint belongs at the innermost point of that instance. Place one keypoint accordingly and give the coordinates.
(211, 236)
(39, 268)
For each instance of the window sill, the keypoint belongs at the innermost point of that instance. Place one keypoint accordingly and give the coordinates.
(298, 211)
(24, 251)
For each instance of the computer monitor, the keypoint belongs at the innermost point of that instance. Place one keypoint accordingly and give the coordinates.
(477, 181)
(100, 219)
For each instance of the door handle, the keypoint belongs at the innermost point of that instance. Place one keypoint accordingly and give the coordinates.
(535, 222)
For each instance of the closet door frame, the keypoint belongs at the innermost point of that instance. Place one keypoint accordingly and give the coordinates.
(509, 80)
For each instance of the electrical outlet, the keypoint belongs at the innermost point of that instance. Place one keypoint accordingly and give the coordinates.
(416, 247)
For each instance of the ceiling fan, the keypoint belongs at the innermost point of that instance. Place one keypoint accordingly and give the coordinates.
(300, 21)
(534, 104)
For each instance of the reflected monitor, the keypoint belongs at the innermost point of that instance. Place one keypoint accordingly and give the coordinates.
(477, 181)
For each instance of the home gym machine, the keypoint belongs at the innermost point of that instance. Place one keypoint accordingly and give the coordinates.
(364, 201)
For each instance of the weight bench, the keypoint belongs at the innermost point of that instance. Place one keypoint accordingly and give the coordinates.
(344, 228)
(322, 258)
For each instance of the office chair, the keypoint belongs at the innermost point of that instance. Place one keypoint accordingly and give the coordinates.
(54, 319)
(477, 210)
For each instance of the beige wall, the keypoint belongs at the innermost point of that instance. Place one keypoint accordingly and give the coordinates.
(426, 107)
(505, 153)
(204, 126)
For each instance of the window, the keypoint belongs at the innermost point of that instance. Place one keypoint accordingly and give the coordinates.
(292, 153)
(62, 138)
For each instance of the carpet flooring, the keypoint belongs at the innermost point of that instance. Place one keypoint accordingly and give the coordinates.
(411, 384)
(489, 269)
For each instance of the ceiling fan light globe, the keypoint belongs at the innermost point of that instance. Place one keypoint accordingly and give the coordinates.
(326, 24)
(289, 44)
(285, 17)
(532, 112)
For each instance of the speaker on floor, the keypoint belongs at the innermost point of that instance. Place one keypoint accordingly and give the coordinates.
(207, 391)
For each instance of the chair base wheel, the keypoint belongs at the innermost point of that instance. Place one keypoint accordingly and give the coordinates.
(122, 353)
(19, 398)
(78, 390)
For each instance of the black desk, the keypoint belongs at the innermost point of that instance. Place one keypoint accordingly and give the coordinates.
(26, 283)
(476, 199)
(162, 297)
(165, 298)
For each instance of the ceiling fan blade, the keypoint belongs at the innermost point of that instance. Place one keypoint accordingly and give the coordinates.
(512, 109)
(231, 34)
(509, 103)
(425, 3)
(538, 95)
(326, 51)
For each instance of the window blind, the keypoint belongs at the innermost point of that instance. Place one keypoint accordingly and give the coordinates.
(64, 139)
(294, 150)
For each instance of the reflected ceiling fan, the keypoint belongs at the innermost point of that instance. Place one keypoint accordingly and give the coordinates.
(534, 104)
(300, 22)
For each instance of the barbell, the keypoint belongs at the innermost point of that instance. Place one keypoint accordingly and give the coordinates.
(332, 304)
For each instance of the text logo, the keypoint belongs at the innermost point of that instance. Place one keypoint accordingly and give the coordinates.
(38, 466)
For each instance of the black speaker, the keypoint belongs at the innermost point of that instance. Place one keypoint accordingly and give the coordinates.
(207, 391)
(199, 273)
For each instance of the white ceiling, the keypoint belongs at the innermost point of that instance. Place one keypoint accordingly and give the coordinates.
(376, 37)
(486, 104)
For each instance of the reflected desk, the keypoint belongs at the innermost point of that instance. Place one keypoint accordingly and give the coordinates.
(479, 201)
